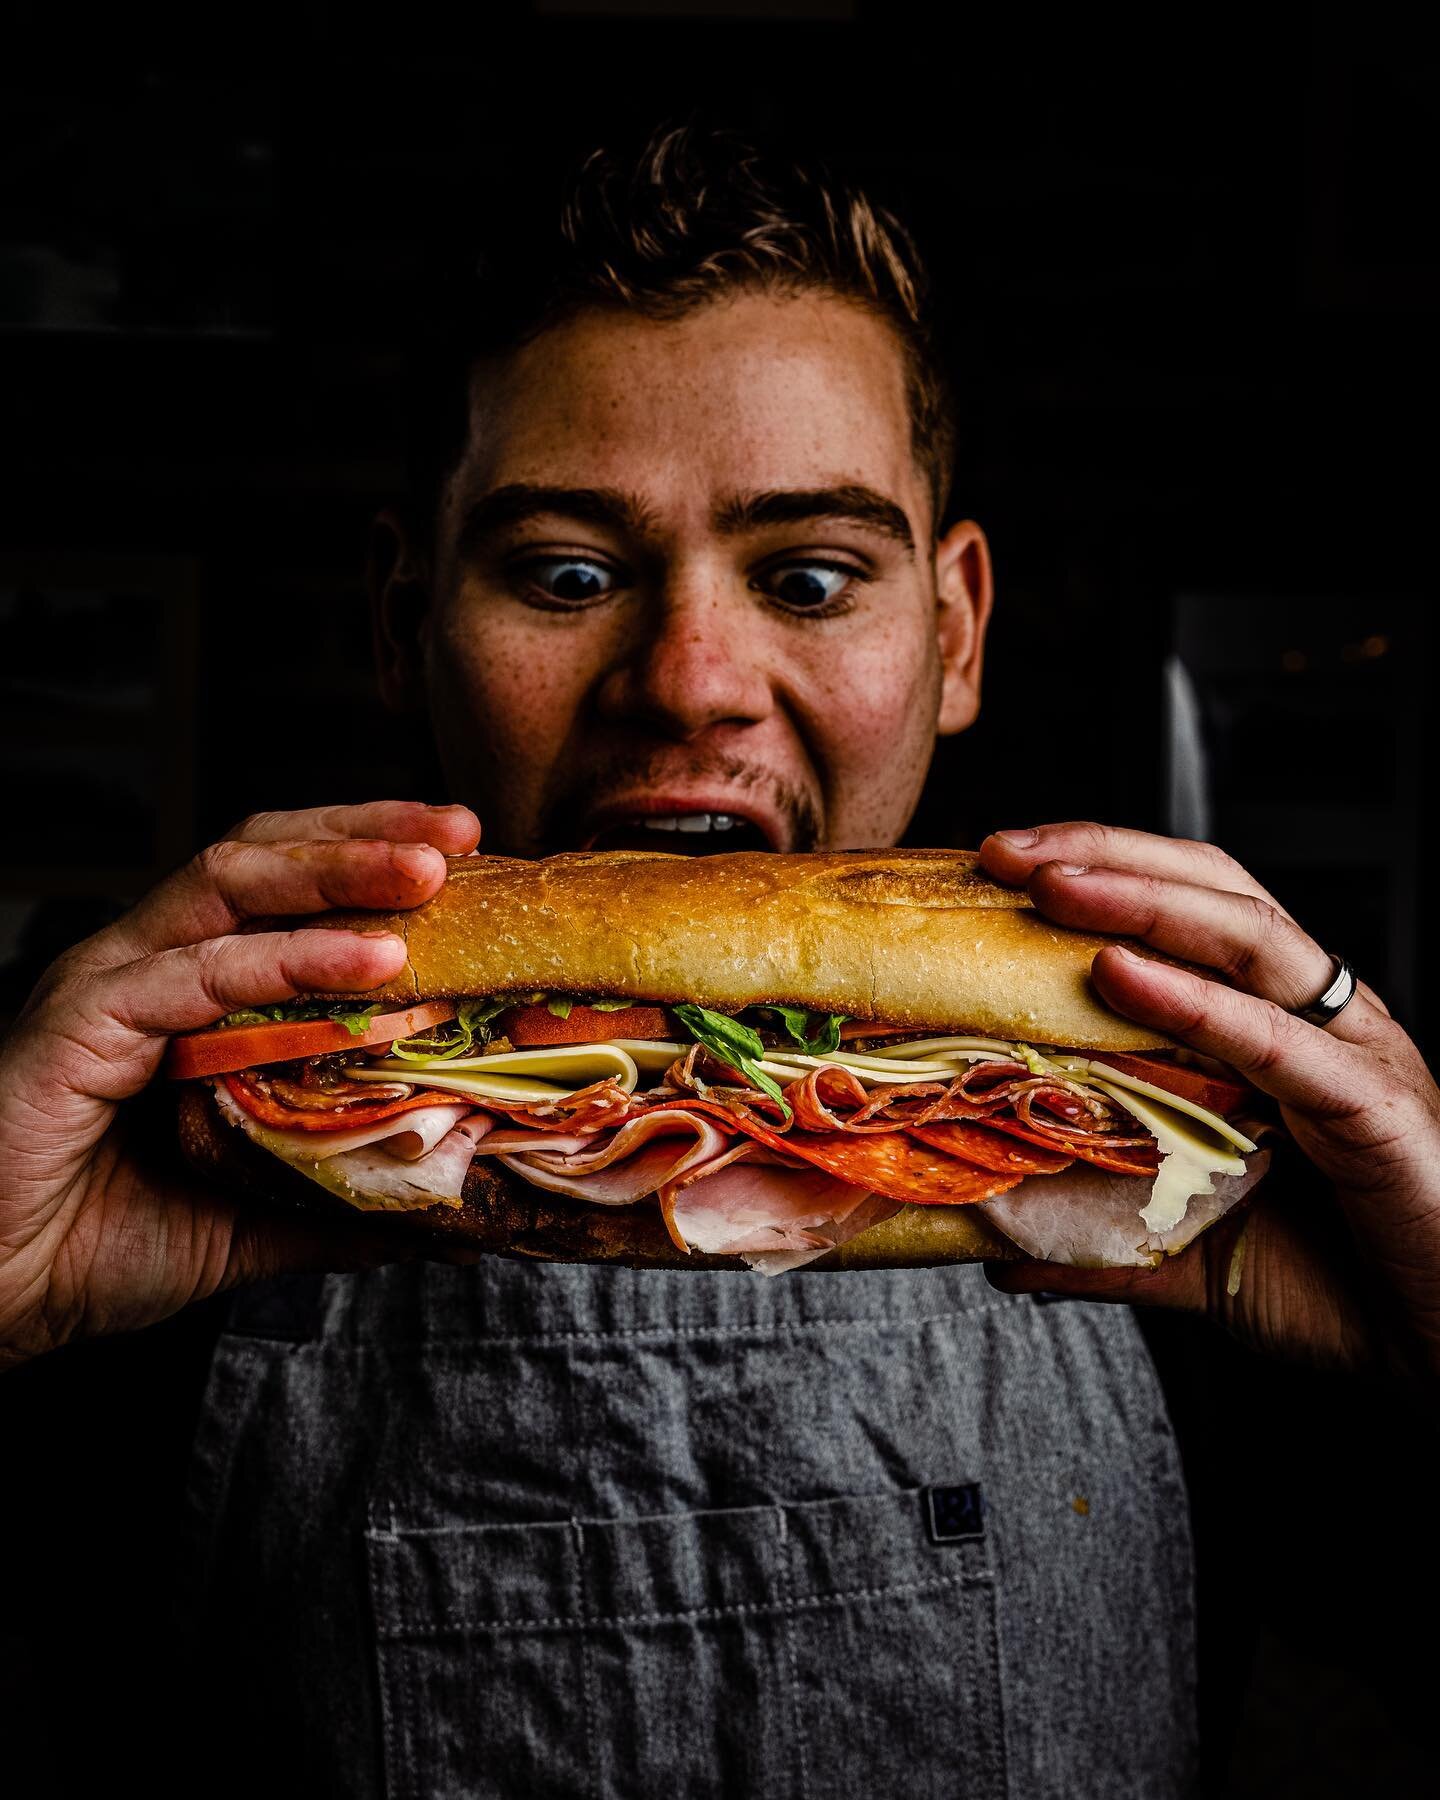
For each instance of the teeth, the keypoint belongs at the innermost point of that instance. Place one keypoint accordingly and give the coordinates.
(687, 822)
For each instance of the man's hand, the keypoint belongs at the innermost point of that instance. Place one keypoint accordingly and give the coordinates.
(1356, 1097)
(93, 1240)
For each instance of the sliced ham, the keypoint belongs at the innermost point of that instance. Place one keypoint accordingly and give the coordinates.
(503, 1140)
(871, 1211)
(416, 1159)
(747, 1208)
(384, 1183)
(1088, 1217)
(639, 1159)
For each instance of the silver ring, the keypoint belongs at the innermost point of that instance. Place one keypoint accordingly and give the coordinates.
(1334, 1000)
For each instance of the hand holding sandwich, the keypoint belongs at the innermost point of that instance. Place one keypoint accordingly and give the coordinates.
(91, 1238)
(1356, 1096)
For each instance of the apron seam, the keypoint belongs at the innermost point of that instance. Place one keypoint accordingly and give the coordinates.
(452, 1624)
(788, 1577)
(587, 1668)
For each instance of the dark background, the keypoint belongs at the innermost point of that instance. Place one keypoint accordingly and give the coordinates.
(1190, 280)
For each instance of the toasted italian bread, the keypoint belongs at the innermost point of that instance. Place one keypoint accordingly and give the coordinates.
(916, 938)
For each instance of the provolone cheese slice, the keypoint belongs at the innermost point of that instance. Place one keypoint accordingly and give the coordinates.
(1188, 1157)
(474, 1087)
(1101, 1075)
(553, 1070)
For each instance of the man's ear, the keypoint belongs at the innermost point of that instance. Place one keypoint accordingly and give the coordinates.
(965, 591)
(398, 583)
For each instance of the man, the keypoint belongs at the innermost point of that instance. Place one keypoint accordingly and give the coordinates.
(678, 548)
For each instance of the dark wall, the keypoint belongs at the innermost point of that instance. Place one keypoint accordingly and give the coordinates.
(1190, 283)
(1189, 292)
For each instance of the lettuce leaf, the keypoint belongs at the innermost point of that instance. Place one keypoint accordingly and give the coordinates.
(733, 1043)
(562, 1005)
(457, 1036)
(355, 1019)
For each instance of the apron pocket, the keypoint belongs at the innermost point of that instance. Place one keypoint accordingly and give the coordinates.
(821, 1648)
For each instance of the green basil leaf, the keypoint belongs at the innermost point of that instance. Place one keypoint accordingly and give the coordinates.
(733, 1043)
(817, 1034)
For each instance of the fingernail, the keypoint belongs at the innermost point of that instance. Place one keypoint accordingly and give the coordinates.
(1072, 868)
(374, 931)
(1018, 840)
(1129, 955)
(414, 860)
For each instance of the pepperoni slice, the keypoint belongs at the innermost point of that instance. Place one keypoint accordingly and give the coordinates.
(991, 1149)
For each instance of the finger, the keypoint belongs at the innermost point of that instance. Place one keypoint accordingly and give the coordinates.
(1012, 856)
(1178, 1283)
(1245, 938)
(1321, 1072)
(236, 880)
(121, 1017)
(453, 829)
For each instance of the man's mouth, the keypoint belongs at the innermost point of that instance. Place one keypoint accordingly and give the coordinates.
(682, 833)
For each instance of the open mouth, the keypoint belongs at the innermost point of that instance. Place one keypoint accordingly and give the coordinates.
(683, 834)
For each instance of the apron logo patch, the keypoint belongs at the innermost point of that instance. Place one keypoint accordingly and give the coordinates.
(956, 1514)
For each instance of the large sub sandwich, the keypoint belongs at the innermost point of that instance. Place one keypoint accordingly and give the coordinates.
(849, 1060)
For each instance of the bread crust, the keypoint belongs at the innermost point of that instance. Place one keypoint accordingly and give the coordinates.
(918, 938)
(506, 1216)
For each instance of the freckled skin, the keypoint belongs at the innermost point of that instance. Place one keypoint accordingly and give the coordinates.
(689, 665)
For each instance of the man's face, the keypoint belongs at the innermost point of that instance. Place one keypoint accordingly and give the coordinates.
(724, 622)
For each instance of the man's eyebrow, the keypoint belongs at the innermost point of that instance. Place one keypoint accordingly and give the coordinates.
(520, 500)
(851, 503)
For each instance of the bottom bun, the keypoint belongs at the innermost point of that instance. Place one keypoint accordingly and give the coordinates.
(507, 1216)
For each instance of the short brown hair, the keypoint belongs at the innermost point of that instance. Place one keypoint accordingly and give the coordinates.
(697, 211)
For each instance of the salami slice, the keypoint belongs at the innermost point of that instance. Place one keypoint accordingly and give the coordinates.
(991, 1149)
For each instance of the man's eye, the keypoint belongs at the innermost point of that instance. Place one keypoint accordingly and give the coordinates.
(815, 587)
(566, 580)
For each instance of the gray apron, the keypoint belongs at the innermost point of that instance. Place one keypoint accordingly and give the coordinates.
(530, 1531)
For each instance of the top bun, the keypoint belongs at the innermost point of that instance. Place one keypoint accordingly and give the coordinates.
(918, 938)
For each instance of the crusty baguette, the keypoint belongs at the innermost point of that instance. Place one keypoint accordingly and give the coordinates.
(918, 938)
(507, 1216)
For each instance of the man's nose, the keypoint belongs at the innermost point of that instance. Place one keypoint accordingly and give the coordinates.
(696, 662)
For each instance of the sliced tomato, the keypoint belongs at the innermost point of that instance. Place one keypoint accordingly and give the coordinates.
(234, 1047)
(529, 1026)
(269, 1111)
(1211, 1091)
